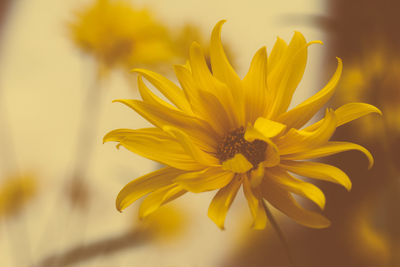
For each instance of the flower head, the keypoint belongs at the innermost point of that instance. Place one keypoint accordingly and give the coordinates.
(116, 34)
(221, 133)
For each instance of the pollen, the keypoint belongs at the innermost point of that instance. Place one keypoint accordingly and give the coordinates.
(234, 142)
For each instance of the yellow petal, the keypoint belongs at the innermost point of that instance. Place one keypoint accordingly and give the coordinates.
(203, 80)
(154, 144)
(167, 88)
(299, 187)
(331, 148)
(298, 116)
(285, 77)
(255, 86)
(256, 176)
(145, 185)
(190, 148)
(222, 69)
(204, 180)
(284, 201)
(160, 116)
(149, 96)
(237, 164)
(257, 210)
(268, 128)
(295, 141)
(213, 111)
(353, 111)
(221, 202)
(158, 198)
(272, 156)
(184, 76)
(349, 112)
(278, 51)
(319, 171)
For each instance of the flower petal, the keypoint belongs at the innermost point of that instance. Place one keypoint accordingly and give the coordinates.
(149, 97)
(190, 148)
(319, 171)
(297, 186)
(295, 141)
(237, 164)
(154, 144)
(256, 176)
(222, 69)
(144, 185)
(298, 116)
(167, 88)
(285, 77)
(158, 198)
(330, 148)
(253, 196)
(203, 80)
(255, 86)
(204, 180)
(221, 202)
(278, 51)
(160, 116)
(285, 202)
(268, 128)
(348, 113)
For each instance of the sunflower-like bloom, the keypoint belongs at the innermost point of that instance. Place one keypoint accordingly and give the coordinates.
(116, 34)
(220, 132)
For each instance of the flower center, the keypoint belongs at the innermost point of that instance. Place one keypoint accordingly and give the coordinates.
(234, 142)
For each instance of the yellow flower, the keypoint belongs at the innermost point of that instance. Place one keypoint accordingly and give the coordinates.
(15, 193)
(221, 133)
(116, 34)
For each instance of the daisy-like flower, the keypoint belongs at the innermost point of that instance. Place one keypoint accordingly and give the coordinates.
(220, 132)
(117, 34)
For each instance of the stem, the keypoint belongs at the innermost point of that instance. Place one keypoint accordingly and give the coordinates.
(279, 233)
(106, 246)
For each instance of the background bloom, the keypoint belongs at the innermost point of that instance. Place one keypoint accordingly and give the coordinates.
(117, 34)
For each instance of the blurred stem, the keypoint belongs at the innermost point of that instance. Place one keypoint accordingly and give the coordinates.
(87, 129)
(279, 233)
(103, 247)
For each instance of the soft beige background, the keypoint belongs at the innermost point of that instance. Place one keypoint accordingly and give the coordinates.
(44, 79)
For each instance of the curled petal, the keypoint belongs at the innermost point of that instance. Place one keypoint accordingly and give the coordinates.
(254, 198)
(319, 171)
(285, 202)
(160, 116)
(331, 148)
(204, 180)
(299, 187)
(255, 86)
(154, 144)
(222, 201)
(158, 198)
(167, 88)
(295, 141)
(237, 164)
(190, 148)
(312, 105)
(145, 185)
(348, 113)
